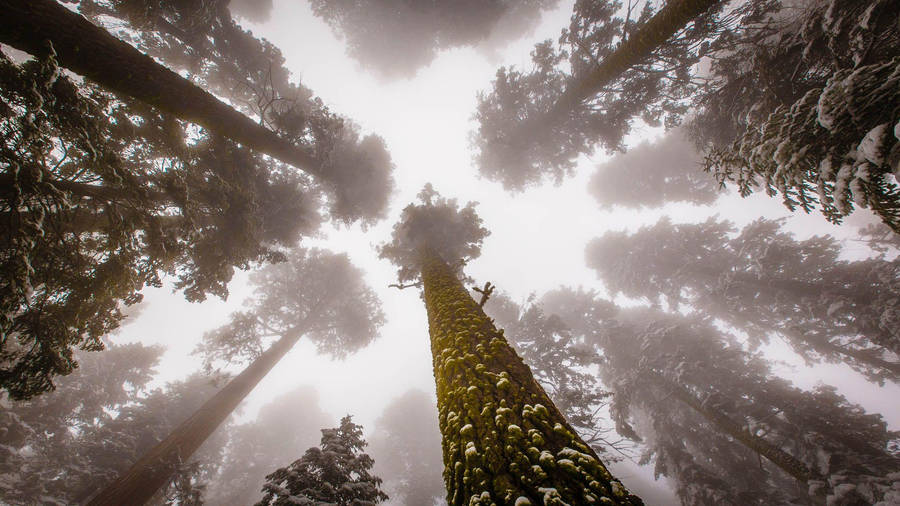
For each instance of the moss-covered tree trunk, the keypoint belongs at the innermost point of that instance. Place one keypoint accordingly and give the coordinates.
(152, 471)
(504, 442)
(94, 53)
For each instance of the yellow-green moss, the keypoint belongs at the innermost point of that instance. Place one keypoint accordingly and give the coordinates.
(504, 441)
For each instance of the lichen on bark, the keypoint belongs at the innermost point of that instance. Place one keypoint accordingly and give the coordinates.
(503, 440)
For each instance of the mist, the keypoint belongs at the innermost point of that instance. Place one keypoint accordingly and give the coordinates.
(412, 253)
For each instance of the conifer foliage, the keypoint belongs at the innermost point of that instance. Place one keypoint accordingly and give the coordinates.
(765, 282)
(825, 134)
(335, 473)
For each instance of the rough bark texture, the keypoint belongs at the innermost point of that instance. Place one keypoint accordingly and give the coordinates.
(504, 442)
(92, 52)
(660, 28)
(779, 457)
(154, 469)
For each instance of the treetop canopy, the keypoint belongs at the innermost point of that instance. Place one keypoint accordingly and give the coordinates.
(439, 224)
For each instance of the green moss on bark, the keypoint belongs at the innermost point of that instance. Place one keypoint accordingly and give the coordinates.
(504, 442)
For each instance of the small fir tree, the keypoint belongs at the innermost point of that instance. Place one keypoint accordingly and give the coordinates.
(335, 473)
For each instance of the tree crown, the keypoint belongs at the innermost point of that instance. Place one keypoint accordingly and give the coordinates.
(438, 224)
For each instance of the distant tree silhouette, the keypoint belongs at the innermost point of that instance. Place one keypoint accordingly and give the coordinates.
(396, 39)
(503, 438)
(765, 282)
(284, 428)
(654, 174)
(202, 40)
(406, 446)
(59, 447)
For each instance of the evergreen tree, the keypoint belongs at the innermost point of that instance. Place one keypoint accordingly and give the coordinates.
(396, 39)
(836, 146)
(91, 51)
(718, 422)
(607, 71)
(821, 133)
(100, 197)
(504, 441)
(764, 282)
(335, 473)
(406, 446)
(334, 308)
(202, 40)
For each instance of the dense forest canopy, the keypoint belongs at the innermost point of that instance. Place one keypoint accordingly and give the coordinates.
(440, 252)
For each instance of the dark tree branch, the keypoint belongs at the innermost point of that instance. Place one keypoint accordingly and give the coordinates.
(485, 293)
(401, 286)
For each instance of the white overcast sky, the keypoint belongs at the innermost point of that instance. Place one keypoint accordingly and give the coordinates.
(536, 244)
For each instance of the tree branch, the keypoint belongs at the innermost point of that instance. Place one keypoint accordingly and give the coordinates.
(485, 293)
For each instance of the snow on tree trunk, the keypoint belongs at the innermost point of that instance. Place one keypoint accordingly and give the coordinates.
(155, 468)
(504, 442)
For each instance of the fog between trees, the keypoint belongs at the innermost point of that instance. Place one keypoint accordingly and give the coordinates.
(428, 284)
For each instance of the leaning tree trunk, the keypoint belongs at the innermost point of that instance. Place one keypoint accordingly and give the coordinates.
(504, 442)
(91, 51)
(634, 51)
(152, 471)
(785, 461)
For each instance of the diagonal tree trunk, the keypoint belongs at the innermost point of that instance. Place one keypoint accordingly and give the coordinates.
(785, 461)
(94, 53)
(152, 471)
(504, 442)
(639, 46)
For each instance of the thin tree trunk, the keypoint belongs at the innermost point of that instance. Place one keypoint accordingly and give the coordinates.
(785, 461)
(504, 442)
(639, 46)
(94, 53)
(137, 485)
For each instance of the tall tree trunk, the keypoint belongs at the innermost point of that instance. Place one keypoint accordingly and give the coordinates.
(152, 471)
(504, 442)
(639, 46)
(92, 52)
(785, 461)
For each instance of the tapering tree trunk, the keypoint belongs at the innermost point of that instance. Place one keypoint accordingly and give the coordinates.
(152, 471)
(785, 461)
(94, 53)
(634, 51)
(504, 442)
